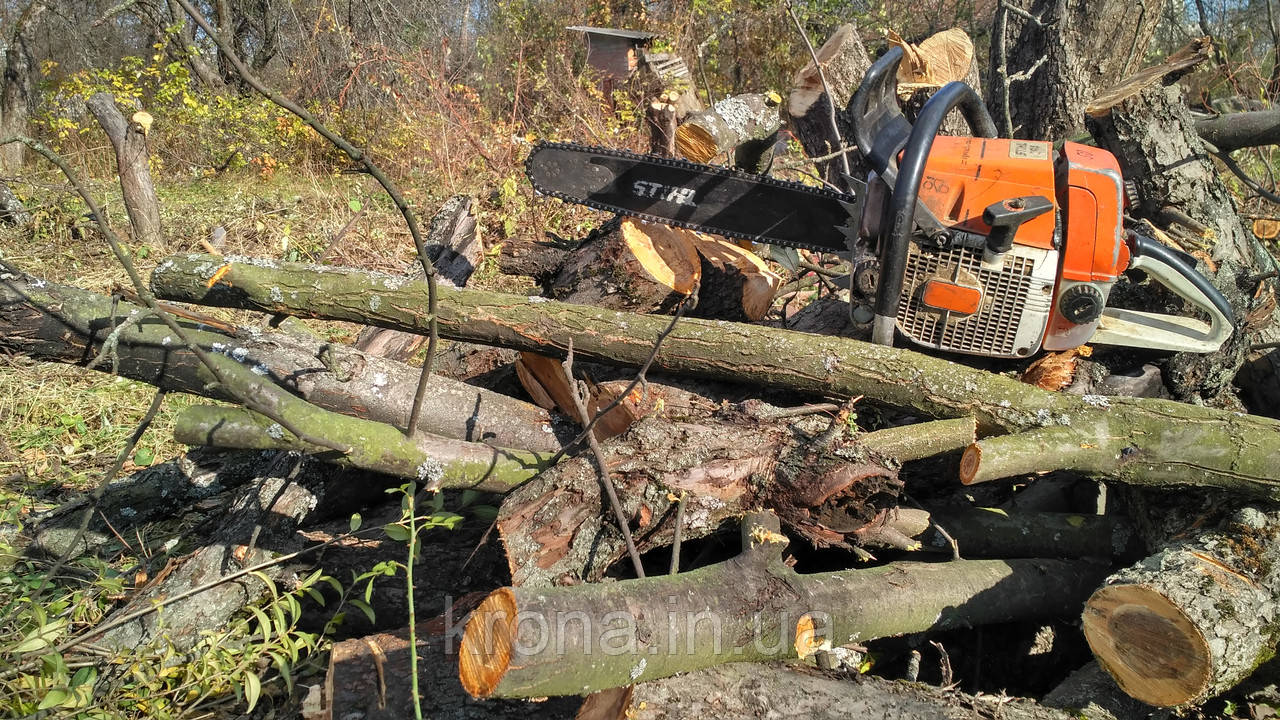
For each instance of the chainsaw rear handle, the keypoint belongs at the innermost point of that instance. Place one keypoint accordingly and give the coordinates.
(1134, 328)
(906, 190)
(1160, 260)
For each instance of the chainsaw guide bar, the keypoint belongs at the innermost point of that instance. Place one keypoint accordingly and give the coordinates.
(716, 200)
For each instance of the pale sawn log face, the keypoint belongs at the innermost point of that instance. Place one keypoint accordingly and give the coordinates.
(1194, 619)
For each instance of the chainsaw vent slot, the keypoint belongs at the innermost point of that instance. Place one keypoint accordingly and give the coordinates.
(993, 330)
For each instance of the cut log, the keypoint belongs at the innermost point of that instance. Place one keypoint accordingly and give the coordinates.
(1141, 427)
(641, 266)
(57, 323)
(1196, 618)
(744, 125)
(455, 249)
(661, 119)
(736, 284)
(941, 58)
(751, 608)
(438, 463)
(844, 61)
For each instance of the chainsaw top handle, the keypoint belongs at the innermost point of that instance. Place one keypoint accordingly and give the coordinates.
(881, 131)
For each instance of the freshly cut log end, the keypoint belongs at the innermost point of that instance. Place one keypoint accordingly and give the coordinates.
(969, 464)
(486, 644)
(1154, 652)
(736, 284)
(695, 143)
(644, 267)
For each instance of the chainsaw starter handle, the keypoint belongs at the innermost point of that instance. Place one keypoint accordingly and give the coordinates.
(906, 191)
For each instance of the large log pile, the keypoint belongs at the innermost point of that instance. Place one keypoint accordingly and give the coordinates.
(850, 543)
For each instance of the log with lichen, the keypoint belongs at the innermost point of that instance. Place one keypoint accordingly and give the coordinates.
(1166, 443)
(1194, 619)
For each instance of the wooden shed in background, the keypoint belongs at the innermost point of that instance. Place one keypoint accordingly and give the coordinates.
(615, 53)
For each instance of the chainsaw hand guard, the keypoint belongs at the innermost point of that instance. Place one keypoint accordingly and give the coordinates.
(1134, 328)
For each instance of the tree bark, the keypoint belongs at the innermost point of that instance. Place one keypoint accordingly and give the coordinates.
(1155, 140)
(55, 323)
(129, 139)
(751, 608)
(1196, 618)
(1046, 70)
(844, 61)
(769, 356)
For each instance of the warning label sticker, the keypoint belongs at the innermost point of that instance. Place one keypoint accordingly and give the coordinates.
(1029, 150)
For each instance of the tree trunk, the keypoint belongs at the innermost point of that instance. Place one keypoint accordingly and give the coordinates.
(844, 61)
(1194, 436)
(1196, 618)
(16, 89)
(751, 608)
(1155, 140)
(189, 53)
(130, 142)
(1046, 70)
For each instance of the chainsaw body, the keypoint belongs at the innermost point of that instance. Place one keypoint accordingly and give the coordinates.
(1048, 288)
(1000, 248)
(976, 245)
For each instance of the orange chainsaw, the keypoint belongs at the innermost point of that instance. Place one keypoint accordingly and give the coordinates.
(977, 245)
